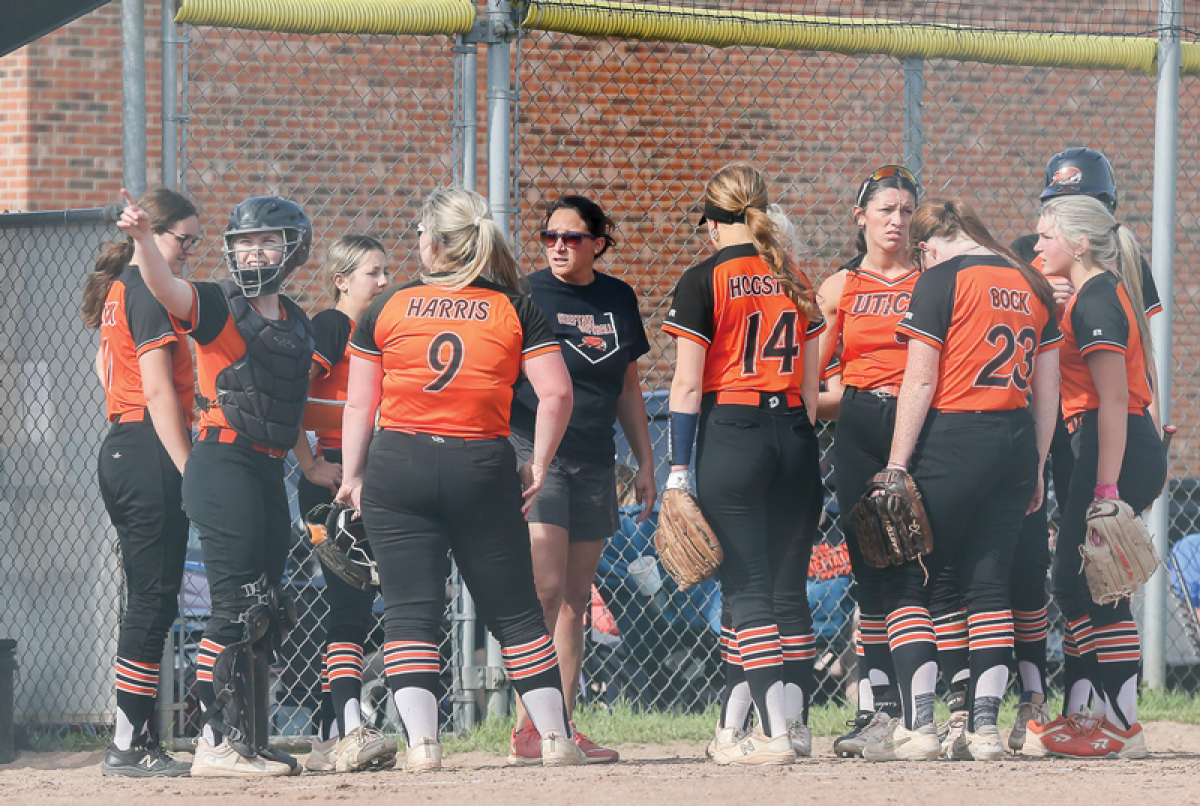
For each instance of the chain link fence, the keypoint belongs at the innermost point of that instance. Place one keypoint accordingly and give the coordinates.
(359, 129)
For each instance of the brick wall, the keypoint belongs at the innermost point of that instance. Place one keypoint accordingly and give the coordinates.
(60, 115)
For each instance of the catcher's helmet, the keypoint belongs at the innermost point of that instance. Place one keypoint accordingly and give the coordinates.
(1081, 171)
(337, 535)
(267, 214)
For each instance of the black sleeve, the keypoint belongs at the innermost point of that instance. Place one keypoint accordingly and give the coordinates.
(693, 309)
(212, 312)
(1150, 299)
(639, 345)
(149, 322)
(1050, 332)
(1098, 318)
(931, 309)
(331, 332)
(535, 330)
(363, 339)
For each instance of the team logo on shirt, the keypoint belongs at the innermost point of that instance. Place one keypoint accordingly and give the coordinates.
(595, 341)
(882, 303)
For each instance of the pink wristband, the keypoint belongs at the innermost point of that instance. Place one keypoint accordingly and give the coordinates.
(1107, 491)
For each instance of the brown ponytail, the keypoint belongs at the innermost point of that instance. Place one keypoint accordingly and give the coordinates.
(741, 189)
(165, 207)
(954, 219)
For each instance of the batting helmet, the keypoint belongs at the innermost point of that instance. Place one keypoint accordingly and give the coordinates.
(1081, 171)
(337, 535)
(267, 214)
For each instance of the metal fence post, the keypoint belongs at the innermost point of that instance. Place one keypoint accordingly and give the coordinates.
(170, 100)
(1166, 135)
(914, 123)
(133, 95)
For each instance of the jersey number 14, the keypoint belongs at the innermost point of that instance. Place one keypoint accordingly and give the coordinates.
(780, 345)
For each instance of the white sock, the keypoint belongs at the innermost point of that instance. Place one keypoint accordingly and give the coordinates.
(738, 708)
(776, 702)
(418, 711)
(207, 733)
(351, 715)
(545, 708)
(992, 683)
(793, 701)
(1031, 678)
(924, 684)
(1079, 698)
(866, 695)
(1126, 704)
(123, 732)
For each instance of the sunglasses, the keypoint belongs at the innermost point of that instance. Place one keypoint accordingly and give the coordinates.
(186, 242)
(885, 172)
(571, 240)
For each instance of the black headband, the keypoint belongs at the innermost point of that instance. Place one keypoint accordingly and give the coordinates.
(714, 213)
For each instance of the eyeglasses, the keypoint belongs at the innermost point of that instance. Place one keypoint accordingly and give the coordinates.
(186, 242)
(571, 240)
(883, 173)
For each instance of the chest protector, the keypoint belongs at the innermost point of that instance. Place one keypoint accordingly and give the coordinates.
(263, 393)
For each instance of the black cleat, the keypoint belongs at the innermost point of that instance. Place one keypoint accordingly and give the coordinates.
(148, 760)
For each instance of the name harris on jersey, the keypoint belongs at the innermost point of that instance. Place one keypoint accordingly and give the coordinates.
(454, 308)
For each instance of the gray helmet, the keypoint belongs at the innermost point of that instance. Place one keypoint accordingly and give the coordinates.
(1081, 172)
(267, 214)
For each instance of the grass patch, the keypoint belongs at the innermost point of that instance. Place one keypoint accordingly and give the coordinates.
(64, 739)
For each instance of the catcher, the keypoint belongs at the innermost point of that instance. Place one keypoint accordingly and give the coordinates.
(981, 336)
(746, 376)
(1120, 468)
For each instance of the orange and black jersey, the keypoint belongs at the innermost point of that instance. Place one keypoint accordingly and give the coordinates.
(733, 306)
(132, 324)
(869, 309)
(218, 344)
(1100, 317)
(981, 315)
(450, 358)
(327, 392)
(1023, 247)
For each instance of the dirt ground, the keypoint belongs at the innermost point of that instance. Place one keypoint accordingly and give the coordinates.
(656, 774)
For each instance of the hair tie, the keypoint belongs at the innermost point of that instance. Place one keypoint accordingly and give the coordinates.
(1116, 226)
(478, 219)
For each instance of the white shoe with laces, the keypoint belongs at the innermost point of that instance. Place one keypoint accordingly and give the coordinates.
(906, 745)
(424, 756)
(223, 761)
(949, 731)
(981, 745)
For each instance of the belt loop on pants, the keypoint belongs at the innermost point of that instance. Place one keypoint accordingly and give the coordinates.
(763, 400)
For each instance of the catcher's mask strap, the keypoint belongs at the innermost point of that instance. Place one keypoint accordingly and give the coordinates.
(315, 520)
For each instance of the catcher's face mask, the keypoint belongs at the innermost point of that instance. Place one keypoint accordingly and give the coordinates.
(337, 535)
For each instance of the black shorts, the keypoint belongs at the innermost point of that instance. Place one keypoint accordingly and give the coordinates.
(578, 495)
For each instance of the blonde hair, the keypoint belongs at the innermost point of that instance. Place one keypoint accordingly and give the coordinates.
(741, 189)
(344, 257)
(1111, 245)
(469, 244)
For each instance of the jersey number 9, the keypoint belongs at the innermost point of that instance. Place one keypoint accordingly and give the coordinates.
(445, 358)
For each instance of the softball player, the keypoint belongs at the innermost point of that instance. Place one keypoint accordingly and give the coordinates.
(146, 371)
(596, 320)
(1074, 172)
(1106, 397)
(981, 337)
(746, 377)
(354, 274)
(438, 358)
(862, 302)
(253, 356)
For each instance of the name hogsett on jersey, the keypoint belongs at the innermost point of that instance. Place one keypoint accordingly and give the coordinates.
(753, 285)
(886, 303)
(586, 323)
(449, 308)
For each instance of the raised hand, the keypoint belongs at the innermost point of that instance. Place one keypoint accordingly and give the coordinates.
(134, 221)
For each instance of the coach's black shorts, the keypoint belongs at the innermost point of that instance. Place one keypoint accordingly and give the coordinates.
(579, 496)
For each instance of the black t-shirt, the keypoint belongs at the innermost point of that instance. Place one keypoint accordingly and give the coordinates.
(1023, 247)
(600, 330)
